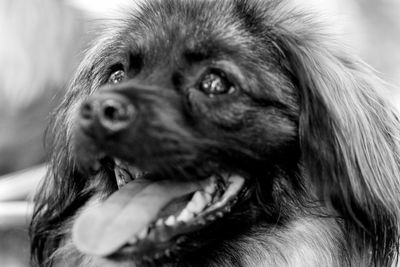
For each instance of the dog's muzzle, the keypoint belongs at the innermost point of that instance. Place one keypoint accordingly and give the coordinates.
(150, 213)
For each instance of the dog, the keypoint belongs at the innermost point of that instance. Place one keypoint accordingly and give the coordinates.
(220, 133)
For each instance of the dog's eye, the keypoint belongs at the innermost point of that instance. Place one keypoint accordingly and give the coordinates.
(216, 83)
(116, 77)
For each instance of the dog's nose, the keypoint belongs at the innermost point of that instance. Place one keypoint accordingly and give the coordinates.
(111, 112)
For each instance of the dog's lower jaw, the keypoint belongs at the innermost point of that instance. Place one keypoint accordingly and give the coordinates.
(287, 246)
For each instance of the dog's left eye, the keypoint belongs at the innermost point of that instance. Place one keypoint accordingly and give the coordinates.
(216, 83)
(116, 77)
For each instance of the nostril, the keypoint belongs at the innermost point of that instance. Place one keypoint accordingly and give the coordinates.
(113, 112)
(86, 111)
(116, 114)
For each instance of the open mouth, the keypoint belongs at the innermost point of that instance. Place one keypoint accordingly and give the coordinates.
(148, 218)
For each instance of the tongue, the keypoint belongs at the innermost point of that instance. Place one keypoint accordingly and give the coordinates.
(103, 229)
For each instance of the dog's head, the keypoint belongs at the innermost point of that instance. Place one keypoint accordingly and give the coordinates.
(192, 122)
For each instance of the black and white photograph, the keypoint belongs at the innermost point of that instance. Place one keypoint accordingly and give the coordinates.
(200, 133)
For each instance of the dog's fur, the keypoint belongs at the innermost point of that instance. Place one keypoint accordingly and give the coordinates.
(308, 127)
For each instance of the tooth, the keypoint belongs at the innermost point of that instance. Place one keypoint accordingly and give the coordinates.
(236, 182)
(191, 206)
(198, 197)
(202, 197)
(117, 161)
(236, 179)
(219, 214)
(159, 222)
(197, 203)
(142, 233)
(185, 216)
(210, 188)
(134, 172)
(125, 176)
(171, 220)
(133, 240)
(120, 183)
(118, 178)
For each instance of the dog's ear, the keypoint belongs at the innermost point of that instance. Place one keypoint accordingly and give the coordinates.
(349, 137)
(59, 193)
(63, 189)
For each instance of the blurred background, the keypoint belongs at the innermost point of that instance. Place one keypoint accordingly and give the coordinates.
(44, 40)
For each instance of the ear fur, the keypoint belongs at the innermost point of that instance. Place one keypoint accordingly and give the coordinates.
(349, 138)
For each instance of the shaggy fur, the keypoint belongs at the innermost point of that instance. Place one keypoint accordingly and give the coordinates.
(308, 126)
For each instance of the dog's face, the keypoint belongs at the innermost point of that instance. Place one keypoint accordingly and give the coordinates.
(192, 117)
(195, 129)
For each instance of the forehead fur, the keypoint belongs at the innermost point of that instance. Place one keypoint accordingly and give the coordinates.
(169, 30)
(198, 30)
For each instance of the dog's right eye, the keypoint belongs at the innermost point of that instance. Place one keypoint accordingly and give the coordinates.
(116, 77)
(216, 83)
